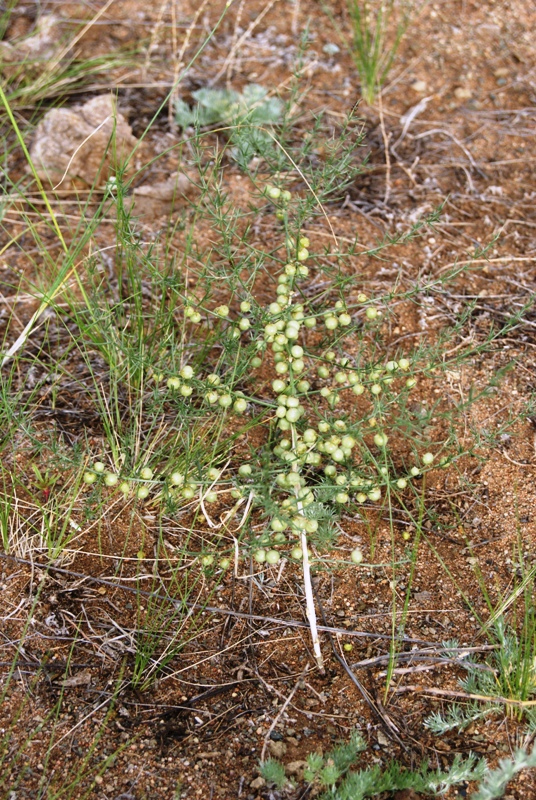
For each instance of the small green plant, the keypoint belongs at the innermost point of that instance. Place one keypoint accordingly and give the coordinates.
(495, 782)
(508, 674)
(331, 778)
(377, 28)
(274, 773)
(251, 113)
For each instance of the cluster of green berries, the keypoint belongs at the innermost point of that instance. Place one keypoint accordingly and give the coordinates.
(177, 484)
(305, 448)
(111, 479)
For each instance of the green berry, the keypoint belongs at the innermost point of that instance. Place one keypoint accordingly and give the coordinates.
(177, 478)
(272, 557)
(89, 478)
(292, 331)
(371, 313)
(427, 459)
(98, 467)
(222, 311)
(110, 479)
(260, 556)
(293, 415)
(273, 192)
(356, 556)
(245, 470)
(187, 372)
(331, 323)
(240, 405)
(146, 474)
(245, 306)
(225, 400)
(173, 383)
(142, 492)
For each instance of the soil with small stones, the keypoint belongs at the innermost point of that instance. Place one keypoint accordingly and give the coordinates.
(456, 127)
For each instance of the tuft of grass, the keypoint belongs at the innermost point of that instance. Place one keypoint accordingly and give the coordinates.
(377, 29)
(40, 73)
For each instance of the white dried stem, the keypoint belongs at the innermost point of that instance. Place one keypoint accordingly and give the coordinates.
(307, 584)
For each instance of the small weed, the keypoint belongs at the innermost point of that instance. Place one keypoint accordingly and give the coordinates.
(507, 676)
(377, 28)
(330, 777)
(250, 115)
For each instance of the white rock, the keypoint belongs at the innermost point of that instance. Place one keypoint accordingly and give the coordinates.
(84, 144)
(419, 86)
(462, 93)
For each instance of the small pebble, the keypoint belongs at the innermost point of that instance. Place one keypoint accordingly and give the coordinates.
(419, 86)
(462, 93)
